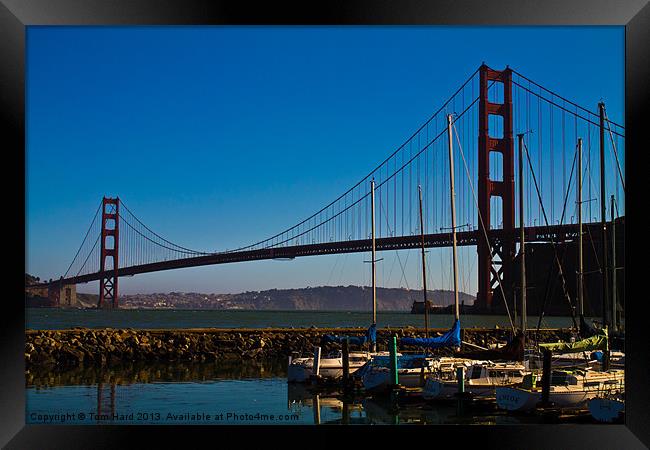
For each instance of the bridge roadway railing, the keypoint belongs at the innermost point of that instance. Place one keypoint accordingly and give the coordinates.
(555, 233)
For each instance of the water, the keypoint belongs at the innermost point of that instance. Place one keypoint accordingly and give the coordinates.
(53, 319)
(233, 392)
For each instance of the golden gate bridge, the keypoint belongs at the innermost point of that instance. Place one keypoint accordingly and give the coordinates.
(488, 110)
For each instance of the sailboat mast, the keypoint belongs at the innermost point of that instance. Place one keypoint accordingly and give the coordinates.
(581, 308)
(424, 271)
(614, 325)
(522, 249)
(453, 211)
(603, 219)
(374, 282)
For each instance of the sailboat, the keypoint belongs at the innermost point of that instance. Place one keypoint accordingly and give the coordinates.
(483, 377)
(300, 370)
(413, 369)
(570, 387)
(331, 366)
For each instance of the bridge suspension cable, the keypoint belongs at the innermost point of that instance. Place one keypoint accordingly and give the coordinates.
(562, 98)
(557, 261)
(480, 218)
(171, 245)
(355, 195)
(88, 233)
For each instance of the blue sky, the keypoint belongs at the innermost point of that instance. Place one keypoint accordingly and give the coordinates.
(218, 137)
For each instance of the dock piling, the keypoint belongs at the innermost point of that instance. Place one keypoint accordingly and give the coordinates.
(316, 409)
(546, 378)
(316, 361)
(346, 363)
(345, 413)
(460, 377)
(394, 376)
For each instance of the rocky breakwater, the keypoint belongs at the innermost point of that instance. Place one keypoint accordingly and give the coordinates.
(83, 346)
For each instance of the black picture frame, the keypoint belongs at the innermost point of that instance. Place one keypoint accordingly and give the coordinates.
(15, 15)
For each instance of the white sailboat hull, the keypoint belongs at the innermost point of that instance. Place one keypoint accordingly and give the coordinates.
(481, 381)
(298, 373)
(574, 394)
(377, 380)
(300, 370)
(302, 374)
(447, 390)
(517, 399)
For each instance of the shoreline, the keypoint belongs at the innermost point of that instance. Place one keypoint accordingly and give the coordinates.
(109, 346)
(444, 311)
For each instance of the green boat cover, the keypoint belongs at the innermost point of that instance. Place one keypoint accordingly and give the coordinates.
(596, 342)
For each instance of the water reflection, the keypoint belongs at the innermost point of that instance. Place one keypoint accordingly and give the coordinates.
(346, 409)
(335, 407)
(156, 372)
(232, 386)
(104, 409)
(107, 378)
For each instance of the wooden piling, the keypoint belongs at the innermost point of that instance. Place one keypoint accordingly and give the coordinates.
(317, 352)
(546, 378)
(460, 378)
(345, 414)
(346, 362)
(316, 409)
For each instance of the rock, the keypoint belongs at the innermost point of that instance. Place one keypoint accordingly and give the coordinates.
(104, 346)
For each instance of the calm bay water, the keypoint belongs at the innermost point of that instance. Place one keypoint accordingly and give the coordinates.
(215, 393)
(53, 319)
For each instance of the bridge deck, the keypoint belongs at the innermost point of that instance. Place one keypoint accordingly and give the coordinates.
(556, 233)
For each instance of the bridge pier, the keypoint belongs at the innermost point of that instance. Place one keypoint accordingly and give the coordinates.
(60, 294)
(109, 256)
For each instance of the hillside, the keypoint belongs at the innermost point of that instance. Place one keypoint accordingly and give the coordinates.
(347, 298)
(332, 298)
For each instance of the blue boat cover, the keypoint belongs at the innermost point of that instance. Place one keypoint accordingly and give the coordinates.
(598, 356)
(370, 336)
(403, 361)
(450, 339)
(371, 333)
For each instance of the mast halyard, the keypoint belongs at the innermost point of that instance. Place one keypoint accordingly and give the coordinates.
(522, 240)
(614, 300)
(581, 307)
(424, 271)
(374, 284)
(603, 220)
(453, 212)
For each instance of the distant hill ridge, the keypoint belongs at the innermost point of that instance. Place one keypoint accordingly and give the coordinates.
(344, 298)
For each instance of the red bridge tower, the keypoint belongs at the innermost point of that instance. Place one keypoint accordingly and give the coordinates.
(495, 258)
(110, 235)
